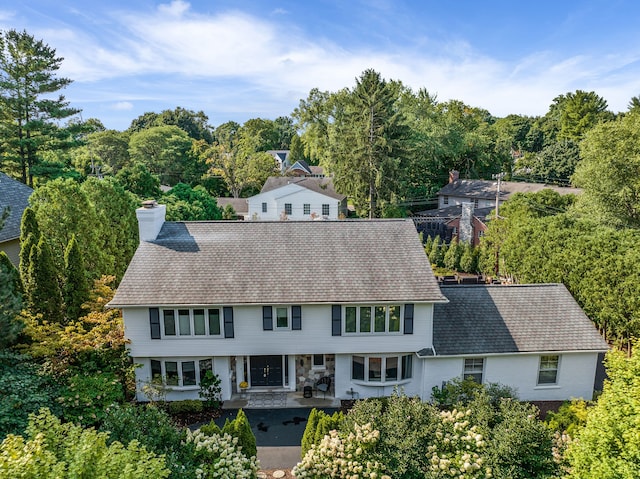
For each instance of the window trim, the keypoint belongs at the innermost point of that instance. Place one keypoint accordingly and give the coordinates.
(541, 370)
(401, 364)
(180, 370)
(326, 207)
(372, 319)
(192, 325)
(472, 370)
(306, 209)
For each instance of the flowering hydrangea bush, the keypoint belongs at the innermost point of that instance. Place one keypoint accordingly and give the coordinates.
(457, 450)
(220, 457)
(344, 456)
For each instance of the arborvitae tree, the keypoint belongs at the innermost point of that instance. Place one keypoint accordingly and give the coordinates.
(469, 259)
(28, 226)
(434, 250)
(43, 290)
(327, 423)
(76, 287)
(428, 244)
(452, 257)
(26, 247)
(308, 437)
(10, 302)
(246, 438)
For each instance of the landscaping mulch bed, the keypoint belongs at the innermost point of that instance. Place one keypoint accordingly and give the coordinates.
(189, 419)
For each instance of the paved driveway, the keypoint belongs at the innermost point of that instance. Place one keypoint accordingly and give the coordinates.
(274, 427)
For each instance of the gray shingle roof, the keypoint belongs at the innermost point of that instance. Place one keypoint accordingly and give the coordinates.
(483, 189)
(280, 262)
(493, 319)
(324, 186)
(15, 195)
(240, 205)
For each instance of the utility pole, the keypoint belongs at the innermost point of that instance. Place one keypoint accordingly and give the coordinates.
(498, 177)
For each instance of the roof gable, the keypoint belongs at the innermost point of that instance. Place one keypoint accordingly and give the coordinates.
(221, 262)
(15, 195)
(494, 319)
(324, 186)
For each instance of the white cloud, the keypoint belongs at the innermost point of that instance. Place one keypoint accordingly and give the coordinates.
(123, 106)
(233, 60)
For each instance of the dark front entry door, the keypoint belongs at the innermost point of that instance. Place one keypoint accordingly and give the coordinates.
(266, 370)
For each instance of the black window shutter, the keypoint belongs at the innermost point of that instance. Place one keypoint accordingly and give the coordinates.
(336, 320)
(296, 318)
(227, 312)
(154, 322)
(267, 318)
(408, 319)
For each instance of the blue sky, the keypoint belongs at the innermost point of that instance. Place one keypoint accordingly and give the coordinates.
(237, 60)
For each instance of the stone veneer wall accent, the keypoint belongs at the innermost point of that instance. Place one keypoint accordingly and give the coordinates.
(306, 376)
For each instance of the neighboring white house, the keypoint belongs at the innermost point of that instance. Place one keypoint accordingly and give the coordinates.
(366, 311)
(297, 198)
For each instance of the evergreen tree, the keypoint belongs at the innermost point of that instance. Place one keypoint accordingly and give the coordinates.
(327, 423)
(28, 226)
(452, 257)
(434, 250)
(76, 287)
(43, 291)
(469, 259)
(246, 438)
(428, 244)
(10, 302)
(308, 437)
(30, 112)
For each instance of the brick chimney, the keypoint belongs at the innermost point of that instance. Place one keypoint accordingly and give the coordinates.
(453, 175)
(150, 219)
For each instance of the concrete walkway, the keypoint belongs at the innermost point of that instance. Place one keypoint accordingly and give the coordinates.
(278, 457)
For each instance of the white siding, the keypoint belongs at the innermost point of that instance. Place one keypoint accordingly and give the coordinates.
(576, 375)
(297, 196)
(250, 339)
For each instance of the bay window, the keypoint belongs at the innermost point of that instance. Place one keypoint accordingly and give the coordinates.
(180, 373)
(382, 368)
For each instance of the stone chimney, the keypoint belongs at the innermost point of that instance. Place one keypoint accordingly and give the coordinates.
(453, 175)
(150, 219)
(465, 230)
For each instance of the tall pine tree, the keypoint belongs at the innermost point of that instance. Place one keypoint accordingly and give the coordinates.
(76, 287)
(29, 110)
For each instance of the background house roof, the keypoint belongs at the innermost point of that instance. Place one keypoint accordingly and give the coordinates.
(483, 189)
(489, 319)
(240, 205)
(255, 262)
(15, 195)
(324, 186)
(454, 211)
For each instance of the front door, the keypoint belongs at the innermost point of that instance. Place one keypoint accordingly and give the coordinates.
(265, 370)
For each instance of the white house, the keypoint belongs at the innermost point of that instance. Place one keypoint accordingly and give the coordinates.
(246, 300)
(297, 198)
